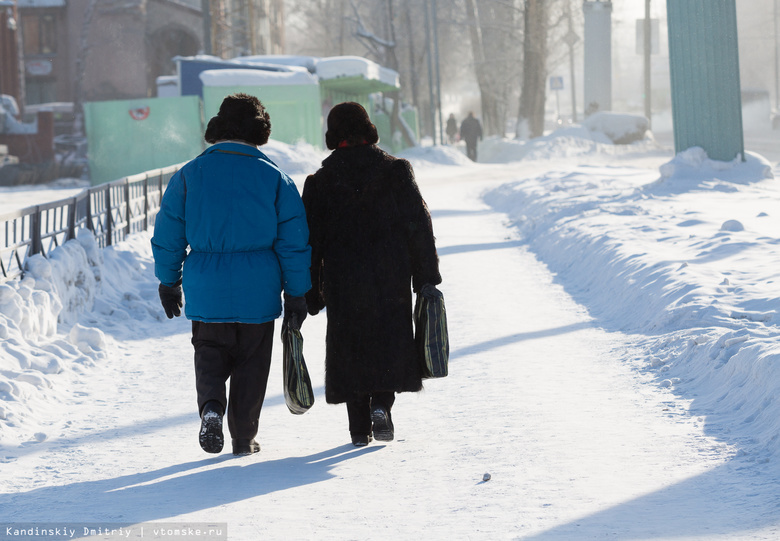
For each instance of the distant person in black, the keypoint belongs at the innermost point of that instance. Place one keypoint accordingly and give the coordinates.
(471, 131)
(452, 129)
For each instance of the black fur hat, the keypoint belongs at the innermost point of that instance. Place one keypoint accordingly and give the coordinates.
(241, 117)
(349, 122)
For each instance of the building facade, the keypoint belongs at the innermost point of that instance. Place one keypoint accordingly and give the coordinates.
(115, 49)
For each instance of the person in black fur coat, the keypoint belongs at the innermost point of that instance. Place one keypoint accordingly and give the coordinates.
(371, 237)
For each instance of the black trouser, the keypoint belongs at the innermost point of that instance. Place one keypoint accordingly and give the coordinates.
(471, 151)
(359, 410)
(241, 352)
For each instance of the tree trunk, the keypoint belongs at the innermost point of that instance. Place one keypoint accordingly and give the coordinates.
(414, 83)
(490, 119)
(392, 63)
(533, 96)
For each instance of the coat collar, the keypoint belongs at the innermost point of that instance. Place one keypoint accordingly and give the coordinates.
(237, 147)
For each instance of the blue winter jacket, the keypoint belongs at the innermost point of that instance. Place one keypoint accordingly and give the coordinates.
(244, 223)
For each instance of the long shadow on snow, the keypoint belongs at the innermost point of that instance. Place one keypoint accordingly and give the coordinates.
(175, 490)
(463, 248)
(481, 347)
(449, 213)
(713, 504)
(134, 429)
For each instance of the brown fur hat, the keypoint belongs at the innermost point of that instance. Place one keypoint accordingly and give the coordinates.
(349, 122)
(241, 117)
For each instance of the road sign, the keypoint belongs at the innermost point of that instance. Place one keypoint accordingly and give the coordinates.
(556, 83)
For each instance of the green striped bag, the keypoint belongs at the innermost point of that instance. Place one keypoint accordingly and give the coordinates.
(430, 334)
(298, 393)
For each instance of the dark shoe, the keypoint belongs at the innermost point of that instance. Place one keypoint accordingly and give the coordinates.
(383, 424)
(211, 438)
(245, 447)
(361, 440)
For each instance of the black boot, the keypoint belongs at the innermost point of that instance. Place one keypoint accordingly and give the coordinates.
(383, 423)
(361, 440)
(211, 438)
(245, 447)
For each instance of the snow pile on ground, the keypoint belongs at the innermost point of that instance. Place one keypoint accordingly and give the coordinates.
(53, 325)
(428, 156)
(692, 169)
(567, 142)
(620, 128)
(686, 262)
(298, 159)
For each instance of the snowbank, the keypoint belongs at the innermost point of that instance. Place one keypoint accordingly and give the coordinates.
(620, 128)
(686, 262)
(54, 325)
(567, 142)
(692, 169)
(428, 156)
(300, 159)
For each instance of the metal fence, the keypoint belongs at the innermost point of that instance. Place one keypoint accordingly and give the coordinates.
(111, 211)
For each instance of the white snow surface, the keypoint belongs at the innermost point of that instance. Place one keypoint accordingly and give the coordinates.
(334, 67)
(616, 126)
(253, 77)
(614, 370)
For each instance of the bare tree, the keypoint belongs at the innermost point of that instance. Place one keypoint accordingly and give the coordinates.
(503, 45)
(533, 93)
(318, 27)
(384, 50)
(493, 32)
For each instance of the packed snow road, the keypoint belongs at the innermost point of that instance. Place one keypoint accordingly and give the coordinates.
(578, 442)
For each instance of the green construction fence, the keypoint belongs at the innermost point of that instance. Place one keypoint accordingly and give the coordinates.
(126, 137)
(295, 110)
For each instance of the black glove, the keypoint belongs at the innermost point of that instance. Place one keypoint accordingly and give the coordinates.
(429, 291)
(294, 311)
(170, 297)
(314, 302)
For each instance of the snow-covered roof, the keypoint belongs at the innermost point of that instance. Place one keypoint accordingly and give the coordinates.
(336, 67)
(253, 77)
(307, 62)
(257, 63)
(37, 3)
(350, 74)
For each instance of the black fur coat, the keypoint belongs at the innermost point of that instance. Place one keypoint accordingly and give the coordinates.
(371, 238)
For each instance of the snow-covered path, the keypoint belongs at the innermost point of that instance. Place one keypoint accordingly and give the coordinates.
(579, 443)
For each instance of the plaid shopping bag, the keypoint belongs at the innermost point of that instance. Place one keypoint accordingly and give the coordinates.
(298, 393)
(430, 335)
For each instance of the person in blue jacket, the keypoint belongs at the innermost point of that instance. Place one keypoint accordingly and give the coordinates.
(232, 234)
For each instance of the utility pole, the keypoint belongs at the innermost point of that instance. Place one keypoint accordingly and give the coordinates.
(648, 51)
